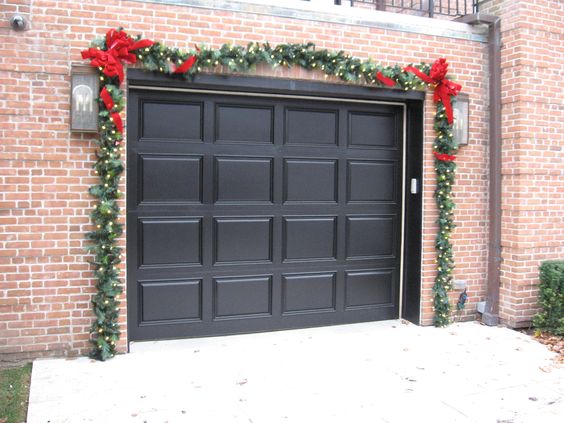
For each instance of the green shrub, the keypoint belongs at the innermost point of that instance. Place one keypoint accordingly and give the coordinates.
(551, 298)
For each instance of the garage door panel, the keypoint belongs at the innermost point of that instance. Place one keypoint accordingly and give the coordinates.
(170, 300)
(261, 214)
(369, 288)
(305, 126)
(172, 121)
(170, 241)
(170, 178)
(371, 181)
(242, 179)
(242, 239)
(381, 243)
(243, 123)
(246, 296)
(372, 129)
(309, 180)
(309, 292)
(310, 238)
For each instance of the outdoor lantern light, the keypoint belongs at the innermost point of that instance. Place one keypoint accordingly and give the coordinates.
(461, 111)
(84, 94)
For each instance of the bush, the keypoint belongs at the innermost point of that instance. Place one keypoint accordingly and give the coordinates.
(551, 298)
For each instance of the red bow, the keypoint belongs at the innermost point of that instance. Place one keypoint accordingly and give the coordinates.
(109, 103)
(444, 88)
(116, 119)
(187, 65)
(444, 157)
(119, 47)
(107, 99)
(385, 80)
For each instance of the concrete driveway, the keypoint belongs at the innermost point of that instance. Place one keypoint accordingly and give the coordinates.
(369, 372)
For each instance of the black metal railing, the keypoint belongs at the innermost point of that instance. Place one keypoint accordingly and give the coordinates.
(430, 8)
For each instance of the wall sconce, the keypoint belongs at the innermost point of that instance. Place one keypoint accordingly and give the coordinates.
(84, 99)
(461, 111)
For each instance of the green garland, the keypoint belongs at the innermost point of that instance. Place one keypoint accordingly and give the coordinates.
(160, 58)
(109, 167)
(445, 171)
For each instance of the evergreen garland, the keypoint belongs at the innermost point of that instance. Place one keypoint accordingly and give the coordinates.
(105, 217)
(445, 171)
(172, 61)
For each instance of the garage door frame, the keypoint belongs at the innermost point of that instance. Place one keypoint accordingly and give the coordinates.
(413, 101)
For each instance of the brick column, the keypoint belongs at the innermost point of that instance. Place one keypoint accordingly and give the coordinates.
(533, 139)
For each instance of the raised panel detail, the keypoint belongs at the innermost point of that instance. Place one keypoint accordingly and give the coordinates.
(370, 237)
(243, 179)
(310, 180)
(311, 127)
(371, 181)
(310, 238)
(236, 123)
(170, 300)
(372, 129)
(242, 296)
(243, 240)
(308, 292)
(170, 241)
(170, 179)
(368, 288)
(176, 121)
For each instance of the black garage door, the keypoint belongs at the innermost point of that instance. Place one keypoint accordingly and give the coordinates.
(252, 213)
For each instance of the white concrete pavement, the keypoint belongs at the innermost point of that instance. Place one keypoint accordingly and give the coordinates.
(368, 372)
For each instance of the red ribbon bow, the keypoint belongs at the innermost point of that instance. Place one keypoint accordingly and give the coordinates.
(385, 80)
(444, 88)
(107, 99)
(187, 64)
(444, 157)
(116, 119)
(119, 47)
(109, 103)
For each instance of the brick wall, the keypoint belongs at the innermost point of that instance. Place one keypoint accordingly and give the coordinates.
(533, 141)
(45, 170)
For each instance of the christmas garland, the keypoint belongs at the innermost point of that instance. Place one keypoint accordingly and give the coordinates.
(109, 55)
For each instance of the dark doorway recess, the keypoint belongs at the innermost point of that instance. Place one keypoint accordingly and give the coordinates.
(259, 204)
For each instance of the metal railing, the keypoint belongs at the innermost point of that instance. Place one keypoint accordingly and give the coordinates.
(430, 8)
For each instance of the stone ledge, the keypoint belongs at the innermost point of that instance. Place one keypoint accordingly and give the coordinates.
(303, 10)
